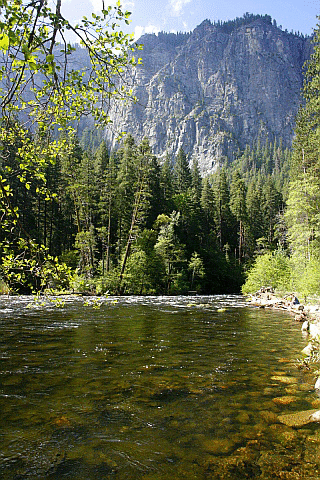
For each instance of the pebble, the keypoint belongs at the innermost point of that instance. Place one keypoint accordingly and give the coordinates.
(286, 400)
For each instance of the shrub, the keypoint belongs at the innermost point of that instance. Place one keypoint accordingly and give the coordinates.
(272, 269)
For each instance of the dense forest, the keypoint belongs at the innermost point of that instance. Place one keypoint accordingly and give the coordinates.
(126, 222)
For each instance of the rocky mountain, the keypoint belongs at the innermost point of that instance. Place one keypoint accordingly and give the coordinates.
(216, 89)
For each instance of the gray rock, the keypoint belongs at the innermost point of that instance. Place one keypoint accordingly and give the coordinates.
(314, 329)
(211, 92)
(307, 350)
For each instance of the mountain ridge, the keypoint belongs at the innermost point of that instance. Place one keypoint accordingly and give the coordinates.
(216, 89)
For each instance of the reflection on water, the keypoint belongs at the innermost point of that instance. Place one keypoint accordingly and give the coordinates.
(151, 388)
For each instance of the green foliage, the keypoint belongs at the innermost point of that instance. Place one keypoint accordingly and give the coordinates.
(301, 233)
(86, 244)
(118, 220)
(83, 284)
(307, 279)
(181, 172)
(302, 213)
(32, 269)
(269, 269)
(136, 278)
(196, 268)
(38, 81)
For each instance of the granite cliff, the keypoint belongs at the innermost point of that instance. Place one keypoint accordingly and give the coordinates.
(215, 90)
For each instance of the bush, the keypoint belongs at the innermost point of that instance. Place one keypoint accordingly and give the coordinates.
(307, 281)
(271, 269)
(83, 284)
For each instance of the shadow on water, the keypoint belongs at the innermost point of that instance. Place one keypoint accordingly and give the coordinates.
(152, 388)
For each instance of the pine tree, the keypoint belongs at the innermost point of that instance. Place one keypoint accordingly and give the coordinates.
(182, 174)
(126, 178)
(254, 205)
(303, 213)
(166, 184)
(223, 215)
(272, 206)
(239, 210)
(196, 181)
(144, 165)
(307, 140)
(207, 204)
(107, 204)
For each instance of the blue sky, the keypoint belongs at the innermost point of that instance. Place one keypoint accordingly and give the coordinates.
(151, 16)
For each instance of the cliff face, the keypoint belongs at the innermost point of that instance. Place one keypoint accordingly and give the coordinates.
(212, 92)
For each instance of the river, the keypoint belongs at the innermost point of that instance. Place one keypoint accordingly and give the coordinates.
(152, 388)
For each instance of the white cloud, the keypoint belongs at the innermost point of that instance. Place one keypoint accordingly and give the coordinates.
(152, 29)
(139, 30)
(176, 6)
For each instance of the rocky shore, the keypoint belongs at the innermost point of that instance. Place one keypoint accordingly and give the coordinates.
(309, 317)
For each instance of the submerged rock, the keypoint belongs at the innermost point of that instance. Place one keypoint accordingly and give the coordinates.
(269, 417)
(299, 419)
(216, 446)
(286, 400)
(284, 379)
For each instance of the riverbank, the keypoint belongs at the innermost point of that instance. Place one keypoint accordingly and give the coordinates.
(309, 316)
(266, 298)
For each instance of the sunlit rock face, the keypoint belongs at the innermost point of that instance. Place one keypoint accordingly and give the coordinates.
(213, 91)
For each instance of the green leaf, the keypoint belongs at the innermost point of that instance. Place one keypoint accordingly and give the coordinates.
(32, 65)
(49, 58)
(4, 42)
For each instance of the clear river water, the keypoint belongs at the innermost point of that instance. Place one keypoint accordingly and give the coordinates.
(152, 388)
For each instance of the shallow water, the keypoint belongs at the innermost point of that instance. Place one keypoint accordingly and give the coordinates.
(152, 388)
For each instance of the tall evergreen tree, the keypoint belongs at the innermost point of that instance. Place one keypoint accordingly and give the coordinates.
(126, 177)
(302, 213)
(196, 181)
(144, 166)
(254, 206)
(107, 203)
(166, 184)
(223, 215)
(181, 172)
(207, 204)
(239, 209)
(272, 206)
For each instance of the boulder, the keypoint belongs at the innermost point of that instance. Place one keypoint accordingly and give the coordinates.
(314, 329)
(299, 419)
(317, 384)
(308, 350)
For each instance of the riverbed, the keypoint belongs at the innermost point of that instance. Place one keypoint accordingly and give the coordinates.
(152, 388)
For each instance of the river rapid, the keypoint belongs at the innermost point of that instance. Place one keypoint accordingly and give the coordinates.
(152, 388)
